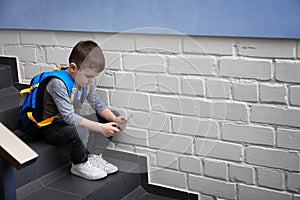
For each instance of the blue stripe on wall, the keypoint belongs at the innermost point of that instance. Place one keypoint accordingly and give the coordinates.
(238, 18)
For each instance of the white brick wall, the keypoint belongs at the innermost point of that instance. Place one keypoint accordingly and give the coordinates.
(294, 95)
(217, 116)
(248, 69)
(270, 178)
(240, 173)
(215, 169)
(247, 91)
(288, 71)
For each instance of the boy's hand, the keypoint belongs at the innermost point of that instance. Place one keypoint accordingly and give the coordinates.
(119, 120)
(109, 129)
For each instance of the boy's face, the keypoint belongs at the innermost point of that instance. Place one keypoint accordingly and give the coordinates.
(85, 76)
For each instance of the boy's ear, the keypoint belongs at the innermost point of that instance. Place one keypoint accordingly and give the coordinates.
(73, 67)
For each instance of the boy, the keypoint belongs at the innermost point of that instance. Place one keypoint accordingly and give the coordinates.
(86, 61)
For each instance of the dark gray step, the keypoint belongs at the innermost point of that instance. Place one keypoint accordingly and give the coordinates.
(50, 158)
(61, 185)
(49, 178)
(148, 192)
(141, 194)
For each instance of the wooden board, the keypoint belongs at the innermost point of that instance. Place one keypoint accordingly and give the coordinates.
(13, 149)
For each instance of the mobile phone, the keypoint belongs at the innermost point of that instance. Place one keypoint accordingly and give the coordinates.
(124, 120)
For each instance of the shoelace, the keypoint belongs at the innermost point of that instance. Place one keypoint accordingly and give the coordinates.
(99, 160)
(89, 167)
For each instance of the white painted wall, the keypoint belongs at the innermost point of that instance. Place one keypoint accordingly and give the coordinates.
(217, 116)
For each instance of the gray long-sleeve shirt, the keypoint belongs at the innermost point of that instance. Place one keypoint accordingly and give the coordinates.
(56, 100)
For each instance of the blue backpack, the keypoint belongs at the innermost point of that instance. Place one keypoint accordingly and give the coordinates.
(31, 115)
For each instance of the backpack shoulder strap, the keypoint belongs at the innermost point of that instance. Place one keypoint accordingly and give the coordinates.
(65, 77)
(69, 82)
(45, 77)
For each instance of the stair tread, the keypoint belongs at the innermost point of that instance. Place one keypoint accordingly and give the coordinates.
(76, 185)
(149, 196)
(64, 183)
(60, 184)
(50, 194)
(141, 194)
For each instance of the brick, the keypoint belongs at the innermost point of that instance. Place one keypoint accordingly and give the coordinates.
(115, 42)
(105, 80)
(266, 48)
(157, 43)
(256, 193)
(31, 70)
(41, 56)
(289, 139)
(168, 177)
(208, 45)
(58, 55)
(125, 80)
(298, 49)
(70, 39)
(192, 86)
(296, 197)
(168, 160)
(245, 92)
(170, 142)
(212, 187)
(195, 127)
(112, 60)
(273, 93)
(216, 149)
(132, 136)
(123, 147)
(149, 153)
(103, 95)
(217, 89)
(270, 178)
(191, 65)
(293, 180)
(129, 100)
(248, 134)
(152, 121)
(206, 197)
(294, 97)
(2, 50)
(190, 164)
(25, 54)
(47, 67)
(287, 72)
(144, 63)
(178, 105)
(275, 115)
(9, 37)
(215, 169)
(223, 110)
(167, 84)
(44, 38)
(146, 83)
(260, 70)
(272, 158)
(239, 173)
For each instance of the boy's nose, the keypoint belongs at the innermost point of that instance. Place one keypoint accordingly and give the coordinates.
(91, 80)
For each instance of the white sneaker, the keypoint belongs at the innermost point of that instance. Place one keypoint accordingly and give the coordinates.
(88, 171)
(99, 162)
